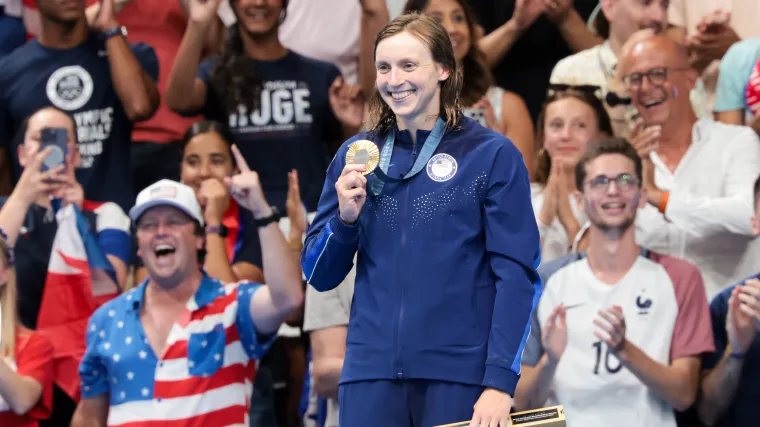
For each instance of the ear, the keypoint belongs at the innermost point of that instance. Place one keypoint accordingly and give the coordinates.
(580, 201)
(200, 242)
(691, 78)
(443, 73)
(755, 225)
(4, 273)
(608, 7)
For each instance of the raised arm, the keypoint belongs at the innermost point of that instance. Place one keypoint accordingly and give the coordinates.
(135, 87)
(283, 293)
(186, 93)
(333, 238)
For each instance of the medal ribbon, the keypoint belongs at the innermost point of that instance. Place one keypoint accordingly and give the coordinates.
(431, 144)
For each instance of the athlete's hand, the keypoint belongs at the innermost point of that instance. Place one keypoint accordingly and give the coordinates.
(352, 192)
(554, 334)
(492, 409)
(203, 11)
(611, 328)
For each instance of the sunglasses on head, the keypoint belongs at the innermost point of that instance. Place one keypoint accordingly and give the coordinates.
(555, 88)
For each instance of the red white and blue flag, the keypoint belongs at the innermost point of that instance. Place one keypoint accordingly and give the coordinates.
(80, 279)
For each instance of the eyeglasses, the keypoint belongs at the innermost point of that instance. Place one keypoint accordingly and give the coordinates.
(624, 182)
(656, 76)
(555, 88)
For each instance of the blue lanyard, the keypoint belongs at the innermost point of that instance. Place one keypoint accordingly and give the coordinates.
(431, 144)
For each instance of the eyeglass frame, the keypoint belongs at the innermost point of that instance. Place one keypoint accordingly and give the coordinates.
(648, 75)
(604, 186)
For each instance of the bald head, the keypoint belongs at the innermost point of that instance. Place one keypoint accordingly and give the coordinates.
(647, 44)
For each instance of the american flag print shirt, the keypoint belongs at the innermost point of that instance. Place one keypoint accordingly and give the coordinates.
(205, 375)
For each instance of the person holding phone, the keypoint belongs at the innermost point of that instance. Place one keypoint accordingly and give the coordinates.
(33, 248)
(446, 241)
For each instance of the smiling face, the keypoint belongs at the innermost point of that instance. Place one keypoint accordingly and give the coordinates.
(206, 156)
(658, 78)
(451, 15)
(259, 17)
(168, 244)
(408, 79)
(611, 193)
(569, 124)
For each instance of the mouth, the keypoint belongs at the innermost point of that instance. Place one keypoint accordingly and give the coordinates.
(613, 208)
(257, 15)
(402, 95)
(163, 250)
(654, 26)
(651, 103)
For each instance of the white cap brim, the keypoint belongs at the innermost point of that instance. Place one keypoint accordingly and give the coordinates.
(136, 212)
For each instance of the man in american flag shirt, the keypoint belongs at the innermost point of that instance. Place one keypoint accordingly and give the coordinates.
(181, 348)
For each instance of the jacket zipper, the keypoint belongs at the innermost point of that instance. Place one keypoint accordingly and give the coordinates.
(399, 341)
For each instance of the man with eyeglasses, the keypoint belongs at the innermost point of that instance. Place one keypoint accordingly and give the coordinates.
(698, 172)
(616, 21)
(619, 330)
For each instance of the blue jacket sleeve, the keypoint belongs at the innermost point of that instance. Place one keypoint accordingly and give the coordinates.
(328, 253)
(513, 247)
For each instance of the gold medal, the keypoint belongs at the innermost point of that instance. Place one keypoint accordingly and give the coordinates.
(363, 152)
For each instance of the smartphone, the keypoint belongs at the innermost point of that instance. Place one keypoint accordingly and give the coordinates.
(57, 138)
(477, 114)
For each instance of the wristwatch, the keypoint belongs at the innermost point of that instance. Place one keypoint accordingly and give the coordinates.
(263, 222)
(221, 230)
(116, 31)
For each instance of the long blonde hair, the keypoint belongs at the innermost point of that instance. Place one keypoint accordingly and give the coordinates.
(432, 35)
(8, 304)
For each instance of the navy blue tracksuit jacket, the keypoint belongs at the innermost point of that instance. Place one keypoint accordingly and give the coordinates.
(446, 275)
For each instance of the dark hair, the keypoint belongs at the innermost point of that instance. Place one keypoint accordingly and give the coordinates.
(756, 191)
(432, 35)
(24, 126)
(477, 78)
(543, 160)
(207, 126)
(606, 146)
(235, 77)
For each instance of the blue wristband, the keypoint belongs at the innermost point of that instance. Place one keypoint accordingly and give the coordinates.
(737, 356)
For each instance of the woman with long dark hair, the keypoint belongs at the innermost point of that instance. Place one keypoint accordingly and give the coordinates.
(285, 111)
(495, 108)
(436, 209)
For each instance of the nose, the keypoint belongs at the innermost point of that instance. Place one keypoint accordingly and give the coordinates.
(162, 229)
(567, 132)
(204, 171)
(656, 12)
(396, 79)
(448, 26)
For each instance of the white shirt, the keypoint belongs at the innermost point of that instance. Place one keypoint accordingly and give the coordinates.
(707, 219)
(556, 242)
(666, 317)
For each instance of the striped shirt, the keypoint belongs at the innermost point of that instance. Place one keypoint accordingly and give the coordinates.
(202, 378)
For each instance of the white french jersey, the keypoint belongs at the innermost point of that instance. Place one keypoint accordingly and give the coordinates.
(667, 317)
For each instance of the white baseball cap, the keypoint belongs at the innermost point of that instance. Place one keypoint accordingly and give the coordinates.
(167, 193)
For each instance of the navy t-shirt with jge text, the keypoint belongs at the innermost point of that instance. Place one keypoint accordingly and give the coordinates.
(291, 128)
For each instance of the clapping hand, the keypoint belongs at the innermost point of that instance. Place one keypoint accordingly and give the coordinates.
(611, 328)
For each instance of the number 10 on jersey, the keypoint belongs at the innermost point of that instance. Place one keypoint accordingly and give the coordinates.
(602, 348)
